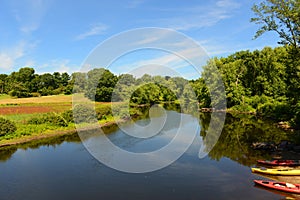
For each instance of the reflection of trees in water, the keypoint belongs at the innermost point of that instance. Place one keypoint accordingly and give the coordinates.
(173, 121)
(7, 152)
(238, 134)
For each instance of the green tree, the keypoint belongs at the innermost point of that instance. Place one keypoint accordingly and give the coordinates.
(100, 84)
(146, 94)
(6, 126)
(3, 83)
(281, 16)
(19, 83)
(77, 83)
(201, 92)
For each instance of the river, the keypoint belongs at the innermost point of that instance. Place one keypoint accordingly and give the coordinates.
(62, 168)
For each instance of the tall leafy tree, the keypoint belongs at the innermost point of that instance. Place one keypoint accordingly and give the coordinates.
(3, 80)
(281, 16)
(100, 84)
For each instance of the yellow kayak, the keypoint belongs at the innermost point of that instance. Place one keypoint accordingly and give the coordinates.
(284, 172)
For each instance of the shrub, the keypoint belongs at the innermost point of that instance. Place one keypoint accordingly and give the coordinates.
(57, 91)
(68, 116)
(19, 94)
(6, 126)
(84, 114)
(103, 112)
(295, 121)
(45, 92)
(69, 90)
(243, 108)
(49, 118)
(279, 111)
(57, 120)
(35, 94)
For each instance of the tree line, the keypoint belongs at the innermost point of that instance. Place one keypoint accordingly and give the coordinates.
(26, 83)
(263, 81)
(98, 84)
(266, 81)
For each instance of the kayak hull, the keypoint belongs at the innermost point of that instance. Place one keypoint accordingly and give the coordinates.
(280, 162)
(282, 172)
(280, 186)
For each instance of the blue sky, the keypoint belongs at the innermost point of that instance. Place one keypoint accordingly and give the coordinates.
(58, 35)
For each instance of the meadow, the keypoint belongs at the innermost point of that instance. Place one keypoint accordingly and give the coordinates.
(23, 110)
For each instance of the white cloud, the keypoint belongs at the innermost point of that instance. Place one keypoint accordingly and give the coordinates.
(96, 29)
(199, 17)
(6, 61)
(227, 4)
(57, 65)
(148, 40)
(29, 13)
(8, 57)
(172, 64)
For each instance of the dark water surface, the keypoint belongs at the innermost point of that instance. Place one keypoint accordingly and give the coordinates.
(61, 168)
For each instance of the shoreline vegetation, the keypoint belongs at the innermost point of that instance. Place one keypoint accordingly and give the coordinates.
(264, 83)
(105, 120)
(54, 133)
(33, 122)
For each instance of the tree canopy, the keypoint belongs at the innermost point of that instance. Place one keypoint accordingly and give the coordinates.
(281, 16)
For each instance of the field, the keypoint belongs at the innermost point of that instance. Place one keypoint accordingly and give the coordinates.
(21, 110)
(6, 99)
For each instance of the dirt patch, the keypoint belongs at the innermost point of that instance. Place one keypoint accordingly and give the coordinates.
(24, 110)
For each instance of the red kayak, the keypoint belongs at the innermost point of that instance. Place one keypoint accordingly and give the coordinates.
(280, 186)
(280, 162)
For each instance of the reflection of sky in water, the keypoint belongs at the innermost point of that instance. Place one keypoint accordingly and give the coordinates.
(162, 138)
(130, 154)
(68, 171)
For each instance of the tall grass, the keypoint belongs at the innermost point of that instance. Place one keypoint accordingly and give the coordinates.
(4, 96)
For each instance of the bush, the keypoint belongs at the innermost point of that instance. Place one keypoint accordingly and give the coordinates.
(57, 91)
(45, 92)
(50, 118)
(103, 112)
(57, 120)
(69, 90)
(35, 94)
(19, 94)
(279, 111)
(68, 116)
(243, 108)
(6, 126)
(295, 121)
(84, 114)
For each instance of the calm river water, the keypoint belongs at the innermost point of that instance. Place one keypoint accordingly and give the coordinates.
(62, 169)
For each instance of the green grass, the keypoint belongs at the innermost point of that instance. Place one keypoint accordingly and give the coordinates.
(21, 119)
(57, 104)
(34, 130)
(25, 130)
(5, 96)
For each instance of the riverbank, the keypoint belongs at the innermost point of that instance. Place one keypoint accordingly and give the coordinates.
(282, 124)
(50, 134)
(37, 118)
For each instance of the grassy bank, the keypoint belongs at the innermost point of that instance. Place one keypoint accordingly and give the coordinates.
(43, 117)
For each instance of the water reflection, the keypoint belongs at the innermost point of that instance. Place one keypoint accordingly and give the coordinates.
(7, 151)
(61, 168)
(137, 154)
(239, 132)
(238, 135)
